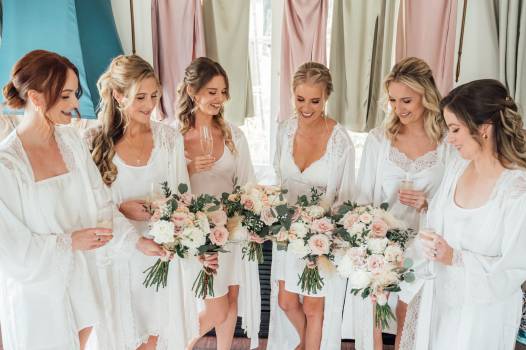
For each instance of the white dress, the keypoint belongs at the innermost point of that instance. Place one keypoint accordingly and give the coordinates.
(233, 269)
(333, 174)
(47, 291)
(141, 312)
(476, 302)
(382, 169)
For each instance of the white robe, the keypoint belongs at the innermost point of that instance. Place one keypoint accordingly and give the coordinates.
(333, 173)
(476, 303)
(382, 169)
(233, 269)
(140, 312)
(47, 291)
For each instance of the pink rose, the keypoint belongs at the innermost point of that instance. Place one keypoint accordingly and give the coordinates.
(319, 244)
(348, 220)
(179, 219)
(219, 235)
(218, 217)
(255, 238)
(268, 216)
(247, 202)
(366, 218)
(379, 228)
(322, 225)
(375, 263)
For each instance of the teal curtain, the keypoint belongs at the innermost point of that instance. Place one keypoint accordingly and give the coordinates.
(83, 31)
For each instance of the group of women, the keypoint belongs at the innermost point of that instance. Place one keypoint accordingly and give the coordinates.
(74, 211)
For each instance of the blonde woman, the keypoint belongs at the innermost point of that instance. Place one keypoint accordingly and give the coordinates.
(134, 155)
(201, 97)
(312, 151)
(477, 251)
(402, 165)
(51, 201)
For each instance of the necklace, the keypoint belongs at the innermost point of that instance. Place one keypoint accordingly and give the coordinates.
(137, 152)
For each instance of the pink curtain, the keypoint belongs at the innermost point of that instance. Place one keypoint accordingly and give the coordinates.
(178, 38)
(303, 39)
(426, 29)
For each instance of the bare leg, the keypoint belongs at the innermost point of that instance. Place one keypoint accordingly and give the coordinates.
(225, 331)
(215, 313)
(314, 311)
(290, 304)
(151, 344)
(84, 334)
(401, 310)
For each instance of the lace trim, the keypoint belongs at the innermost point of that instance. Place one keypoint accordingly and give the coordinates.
(65, 252)
(164, 136)
(408, 336)
(426, 161)
(337, 143)
(65, 151)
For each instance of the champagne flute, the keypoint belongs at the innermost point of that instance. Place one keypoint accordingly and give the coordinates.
(104, 220)
(153, 195)
(206, 140)
(428, 270)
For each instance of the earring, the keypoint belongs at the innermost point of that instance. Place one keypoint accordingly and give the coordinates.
(485, 136)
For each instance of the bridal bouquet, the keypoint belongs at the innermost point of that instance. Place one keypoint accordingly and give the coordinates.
(374, 261)
(310, 237)
(256, 212)
(185, 225)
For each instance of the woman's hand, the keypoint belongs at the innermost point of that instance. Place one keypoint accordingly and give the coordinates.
(135, 210)
(436, 248)
(200, 163)
(149, 247)
(90, 238)
(210, 260)
(412, 198)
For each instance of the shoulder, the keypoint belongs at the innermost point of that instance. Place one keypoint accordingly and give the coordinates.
(287, 126)
(165, 135)
(377, 135)
(10, 150)
(514, 185)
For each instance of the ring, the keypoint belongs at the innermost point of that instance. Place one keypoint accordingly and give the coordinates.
(435, 254)
(98, 239)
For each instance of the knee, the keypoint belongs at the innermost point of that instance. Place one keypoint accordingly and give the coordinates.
(313, 309)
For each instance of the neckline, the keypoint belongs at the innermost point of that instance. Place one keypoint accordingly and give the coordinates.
(492, 195)
(150, 157)
(291, 140)
(58, 140)
(419, 158)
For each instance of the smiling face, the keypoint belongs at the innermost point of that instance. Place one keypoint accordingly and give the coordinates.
(144, 102)
(67, 103)
(212, 96)
(309, 100)
(406, 103)
(460, 137)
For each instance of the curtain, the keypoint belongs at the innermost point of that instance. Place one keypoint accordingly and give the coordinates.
(427, 30)
(304, 33)
(361, 55)
(178, 38)
(226, 26)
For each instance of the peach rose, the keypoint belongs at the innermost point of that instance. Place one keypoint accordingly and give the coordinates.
(323, 225)
(375, 263)
(219, 235)
(319, 244)
(218, 217)
(379, 228)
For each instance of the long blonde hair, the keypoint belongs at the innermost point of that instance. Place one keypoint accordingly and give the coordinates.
(196, 76)
(487, 101)
(418, 76)
(123, 76)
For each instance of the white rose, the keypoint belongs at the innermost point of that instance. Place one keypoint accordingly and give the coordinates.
(193, 237)
(298, 229)
(386, 277)
(162, 232)
(357, 228)
(346, 266)
(202, 222)
(377, 245)
(394, 254)
(360, 279)
(366, 218)
(298, 247)
(315, 211)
